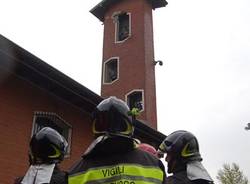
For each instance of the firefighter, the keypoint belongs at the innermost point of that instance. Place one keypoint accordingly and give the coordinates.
(47, 150)
(112, 157)
(184, 159)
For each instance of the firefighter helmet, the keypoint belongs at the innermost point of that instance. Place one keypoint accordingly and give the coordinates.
(111, 117)
(182, 145)
(47, 146)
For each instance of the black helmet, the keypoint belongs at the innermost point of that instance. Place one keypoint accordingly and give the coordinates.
(47, 146)
(111, 117)
(182, 145)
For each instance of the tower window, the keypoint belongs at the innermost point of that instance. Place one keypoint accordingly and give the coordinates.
(52, 120)
(122, 26)
(135, 99)
(110, 70)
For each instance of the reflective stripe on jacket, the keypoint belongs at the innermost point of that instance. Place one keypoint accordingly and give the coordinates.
(122, 173)
(134, 167)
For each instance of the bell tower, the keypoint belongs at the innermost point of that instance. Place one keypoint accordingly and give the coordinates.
(128, 64)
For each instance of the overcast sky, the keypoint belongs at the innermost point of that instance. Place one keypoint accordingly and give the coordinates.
(203, 85)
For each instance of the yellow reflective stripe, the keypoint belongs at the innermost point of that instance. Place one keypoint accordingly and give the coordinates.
(57, 152)
(162, 148)
(185, 152)
(152, 172)
(129, 128)
(126, 132)
(120, 181)
(144, 174)
(93, 127)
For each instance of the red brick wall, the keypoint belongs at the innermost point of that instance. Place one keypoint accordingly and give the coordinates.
(136, 55)
(19, 100)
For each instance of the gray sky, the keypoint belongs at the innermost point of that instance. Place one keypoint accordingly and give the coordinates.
(203, 85)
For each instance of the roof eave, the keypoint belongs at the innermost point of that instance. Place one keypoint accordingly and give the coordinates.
(41, 74)
(100, 9)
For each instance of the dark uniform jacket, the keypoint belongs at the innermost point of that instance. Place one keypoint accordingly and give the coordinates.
(116, 161)
(58, 177)
(181, 178)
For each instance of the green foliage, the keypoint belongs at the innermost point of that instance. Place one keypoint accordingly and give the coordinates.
(231, 175)
(134, 112)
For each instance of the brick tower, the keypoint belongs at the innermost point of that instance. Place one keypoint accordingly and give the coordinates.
(128, 68)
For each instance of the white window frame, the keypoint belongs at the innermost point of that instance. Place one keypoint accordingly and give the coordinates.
(136, 90)
(104, 70)
(61, 124)
(117, 25)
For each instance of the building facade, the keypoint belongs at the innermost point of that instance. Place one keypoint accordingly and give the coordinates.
(33, 94)
(128, 67)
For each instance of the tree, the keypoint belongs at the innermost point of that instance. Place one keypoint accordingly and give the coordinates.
(231, 175)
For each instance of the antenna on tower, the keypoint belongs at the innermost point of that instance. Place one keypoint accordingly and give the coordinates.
(247, 127)
(159, 61)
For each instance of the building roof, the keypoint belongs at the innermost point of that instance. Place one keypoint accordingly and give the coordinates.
(32, 69)
(41, 74)
(100, 9)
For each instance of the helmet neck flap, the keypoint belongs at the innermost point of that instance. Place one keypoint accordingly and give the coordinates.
(183, 147)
